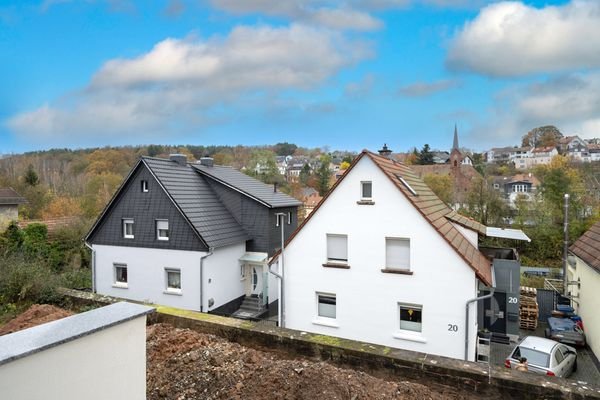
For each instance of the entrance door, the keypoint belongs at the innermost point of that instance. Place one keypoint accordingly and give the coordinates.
(256, 279)
(495, 313)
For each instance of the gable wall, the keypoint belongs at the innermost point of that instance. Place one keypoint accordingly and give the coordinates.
(145, 209)
(367, 299)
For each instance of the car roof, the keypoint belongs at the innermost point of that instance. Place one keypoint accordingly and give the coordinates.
(538, 343)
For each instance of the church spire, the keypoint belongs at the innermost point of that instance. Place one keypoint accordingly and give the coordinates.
(455, 143)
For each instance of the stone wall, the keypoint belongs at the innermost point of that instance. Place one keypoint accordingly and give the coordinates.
(491, 382)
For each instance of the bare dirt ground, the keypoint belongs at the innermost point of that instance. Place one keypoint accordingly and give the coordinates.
(35, 315)
(184, 364)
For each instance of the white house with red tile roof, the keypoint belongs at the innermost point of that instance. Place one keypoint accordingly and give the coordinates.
(383, 260)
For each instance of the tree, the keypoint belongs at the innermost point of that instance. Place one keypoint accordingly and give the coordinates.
(542, 136)
(155, 150)
(31, 177)
(284, 149)
(305, 174)
(425, 156)
(442, 186)
(323, 174)
(484, 203)
(344, 165)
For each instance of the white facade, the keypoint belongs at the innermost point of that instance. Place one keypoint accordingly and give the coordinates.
(588, 299)
(108, 364)
(368, 300)
(147, 278)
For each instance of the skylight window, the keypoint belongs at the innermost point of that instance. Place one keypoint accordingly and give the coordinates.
(410, 189)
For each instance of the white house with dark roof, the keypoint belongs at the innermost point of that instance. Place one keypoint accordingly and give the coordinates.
(383, 260)
(193, 236)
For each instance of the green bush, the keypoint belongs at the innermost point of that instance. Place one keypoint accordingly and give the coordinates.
(27, 281)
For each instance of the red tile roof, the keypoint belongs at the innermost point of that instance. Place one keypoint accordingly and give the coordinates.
(587, 247)
(9, 196)
(434, 210)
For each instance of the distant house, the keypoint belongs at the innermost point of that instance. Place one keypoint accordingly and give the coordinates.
(310, 199)
(542, 155)
(193, 236)
(9, 206)
(513, 186)
(383, 260)
(503, 155)
(584, 275)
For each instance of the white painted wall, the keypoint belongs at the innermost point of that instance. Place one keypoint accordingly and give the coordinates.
(222, 279)
(588, 299)
(108, 364)
(367, 299)
(146, 274)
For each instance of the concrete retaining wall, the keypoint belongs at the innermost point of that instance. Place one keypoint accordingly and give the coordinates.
(490, 382)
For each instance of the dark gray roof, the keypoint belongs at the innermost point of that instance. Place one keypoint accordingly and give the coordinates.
(247, 185)
(9, 196)
(198, 202)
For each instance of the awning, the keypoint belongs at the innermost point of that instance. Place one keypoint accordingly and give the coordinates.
(254, 257)
(505, 233)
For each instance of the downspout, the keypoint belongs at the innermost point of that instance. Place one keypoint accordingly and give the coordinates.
(487, 296)
(210, 253)
(281, 312)
(93, 265)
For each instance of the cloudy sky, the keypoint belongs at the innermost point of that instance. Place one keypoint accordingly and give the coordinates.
(344, 74)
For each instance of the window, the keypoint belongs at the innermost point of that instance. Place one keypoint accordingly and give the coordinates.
(397, 253)
(326, 305)
(128, 228)
(242, 272)
(120, 275)
(289, 217)
(410, 317)
(162, 229)
(145, 186)
(519, 188)
(337, 248)
(366, 190)
(173, 280)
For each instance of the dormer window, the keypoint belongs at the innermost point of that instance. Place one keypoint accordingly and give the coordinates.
(162, 229)
(366, 190)
(144, 186)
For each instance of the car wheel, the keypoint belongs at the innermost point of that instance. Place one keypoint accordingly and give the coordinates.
(575, 366)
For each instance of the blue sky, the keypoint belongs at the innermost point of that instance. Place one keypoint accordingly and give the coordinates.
(347, 75)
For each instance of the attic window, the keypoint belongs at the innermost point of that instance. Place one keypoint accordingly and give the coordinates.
(410, 189)
(145, 186)
(162, 229)
(366, 190)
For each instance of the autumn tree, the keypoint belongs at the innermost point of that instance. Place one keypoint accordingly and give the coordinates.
(542, 136)
(442, 186)
(305, 174)
(484, 203)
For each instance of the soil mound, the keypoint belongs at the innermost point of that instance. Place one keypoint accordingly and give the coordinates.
(37, 314)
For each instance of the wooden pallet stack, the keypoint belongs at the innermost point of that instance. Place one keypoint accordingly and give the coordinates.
(528, 308)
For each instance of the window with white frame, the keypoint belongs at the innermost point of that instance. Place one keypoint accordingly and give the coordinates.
(162, 229)
(366, 190)
(326, 305)
(337, 248)
(145, 186)
(289, 217)
(120, 275)
(173, 278)
(520, 188)
(410, 317)
(128, 228)
(397, 253)
(242, 271)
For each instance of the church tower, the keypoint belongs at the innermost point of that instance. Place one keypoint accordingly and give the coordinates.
(456, 157)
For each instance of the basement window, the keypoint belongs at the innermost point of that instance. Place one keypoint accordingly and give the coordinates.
(162, 229)
(128, 228)
(326, 305)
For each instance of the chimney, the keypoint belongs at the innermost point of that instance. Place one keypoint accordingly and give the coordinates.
(207, 161)
(385, 151)
(180, 159)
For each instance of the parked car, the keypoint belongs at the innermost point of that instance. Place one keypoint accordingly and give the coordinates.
(544, 356)
(565, 330)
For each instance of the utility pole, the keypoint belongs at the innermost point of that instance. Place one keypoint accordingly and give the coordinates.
(566, 246)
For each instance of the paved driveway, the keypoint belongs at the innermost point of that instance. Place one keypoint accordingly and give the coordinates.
(587, 371)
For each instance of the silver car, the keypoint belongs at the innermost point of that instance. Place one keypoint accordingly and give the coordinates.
(544, 356)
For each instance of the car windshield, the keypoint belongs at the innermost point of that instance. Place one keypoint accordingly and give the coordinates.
(533, 357)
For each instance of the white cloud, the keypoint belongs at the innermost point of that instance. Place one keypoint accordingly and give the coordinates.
(179, 81)
(420, 89)
(571, 103)
(342, 19)
(510, 39)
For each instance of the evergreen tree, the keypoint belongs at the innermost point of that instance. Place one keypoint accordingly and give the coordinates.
(425, 156)
(31, 177)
